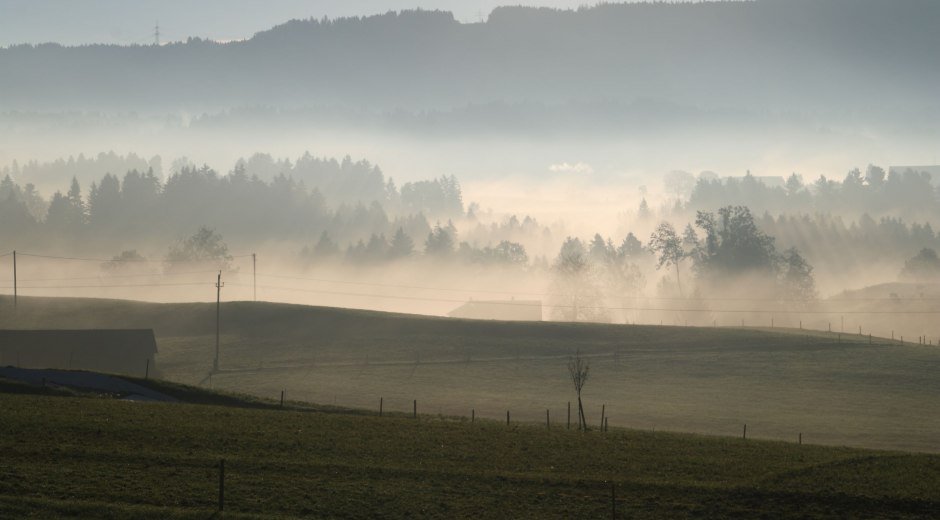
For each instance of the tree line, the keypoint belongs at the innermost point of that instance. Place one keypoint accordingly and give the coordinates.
(909, 193)
(140, 206)
(423, 59)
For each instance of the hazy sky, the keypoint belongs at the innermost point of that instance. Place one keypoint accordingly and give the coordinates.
(132, 21)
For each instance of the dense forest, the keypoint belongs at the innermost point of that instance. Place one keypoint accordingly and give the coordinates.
(346, 212)
(55, 174)
(277, 201)
(908, 193)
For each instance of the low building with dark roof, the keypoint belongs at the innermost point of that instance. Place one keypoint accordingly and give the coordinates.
(129, 352)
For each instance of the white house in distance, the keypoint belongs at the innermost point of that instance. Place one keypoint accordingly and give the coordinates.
(505, 310)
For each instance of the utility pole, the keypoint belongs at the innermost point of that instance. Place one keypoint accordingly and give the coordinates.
(156, 34)
(218, 313)
(14, 281)
(254, 276)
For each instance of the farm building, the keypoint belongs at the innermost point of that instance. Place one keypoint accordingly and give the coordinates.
(506, 310)
(128, 352)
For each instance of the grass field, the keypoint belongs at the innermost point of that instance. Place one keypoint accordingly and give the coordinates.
(781, 383)
(92, 457)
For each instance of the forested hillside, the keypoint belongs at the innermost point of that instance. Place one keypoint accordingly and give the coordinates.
(770, 54)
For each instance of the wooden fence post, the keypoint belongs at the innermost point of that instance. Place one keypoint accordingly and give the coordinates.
(745, 431)
(568, 427)
(613, 501)
(282, 399)
(548, 422)
(381, 403)
(473, 414)
(603, 409)
(801, 438)
(415, 410)
(221, 484)
(507, 417)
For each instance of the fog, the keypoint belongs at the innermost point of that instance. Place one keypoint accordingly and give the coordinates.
(490, 144)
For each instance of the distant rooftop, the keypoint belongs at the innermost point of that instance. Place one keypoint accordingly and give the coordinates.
(504, 310)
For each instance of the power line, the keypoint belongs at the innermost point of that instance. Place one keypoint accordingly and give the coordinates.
(398, 286)
(341, 293)
(218, 312)
(528, 293)
(81, 259)
(478, 291)
(107, 276)
(481, 291)
(119, 260)
(589, 307)
(504, 303)
(88, 286)
(457, 290)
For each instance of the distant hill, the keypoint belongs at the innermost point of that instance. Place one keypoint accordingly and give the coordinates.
(771, 54)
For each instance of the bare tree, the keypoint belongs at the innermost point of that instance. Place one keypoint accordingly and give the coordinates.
(578, 370)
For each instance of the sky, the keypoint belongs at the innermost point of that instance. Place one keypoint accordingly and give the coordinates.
(75, 22)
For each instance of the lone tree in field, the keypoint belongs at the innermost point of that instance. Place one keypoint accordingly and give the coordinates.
(578, 370)
(205, 246)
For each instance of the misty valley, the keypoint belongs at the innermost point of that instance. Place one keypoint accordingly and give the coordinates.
(628, 260)
(340, 233)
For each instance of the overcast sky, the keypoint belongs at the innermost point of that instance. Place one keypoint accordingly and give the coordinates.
(132, 21)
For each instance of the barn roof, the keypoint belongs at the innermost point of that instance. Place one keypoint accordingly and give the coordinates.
(137, 339)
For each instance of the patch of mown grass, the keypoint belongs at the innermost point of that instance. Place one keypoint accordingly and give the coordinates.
(94, 457)
(195, 395)
(10, 386)
(833, 389)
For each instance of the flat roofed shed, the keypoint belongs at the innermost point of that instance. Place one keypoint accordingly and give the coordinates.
(117, 351)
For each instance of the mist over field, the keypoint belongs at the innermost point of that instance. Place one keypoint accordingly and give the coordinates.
(518, 139)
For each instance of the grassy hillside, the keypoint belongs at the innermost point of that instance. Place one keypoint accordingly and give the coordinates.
(708, 380)
(66, 456)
